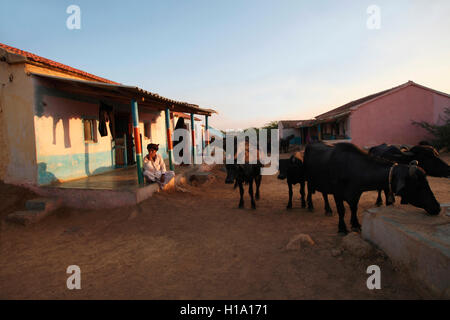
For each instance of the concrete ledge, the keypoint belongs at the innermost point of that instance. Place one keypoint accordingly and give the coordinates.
(415, 242)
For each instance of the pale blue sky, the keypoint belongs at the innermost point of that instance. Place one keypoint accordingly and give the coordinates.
(253, 61)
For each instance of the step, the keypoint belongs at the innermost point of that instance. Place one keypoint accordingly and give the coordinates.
(27, 217)
(415, 242)
(36, 209)
(42, 204)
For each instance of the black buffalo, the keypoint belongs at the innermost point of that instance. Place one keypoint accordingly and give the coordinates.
(284, 143)
(241, 174)
(293, 171)
(347, 171)
(426, 156)
(245, 173)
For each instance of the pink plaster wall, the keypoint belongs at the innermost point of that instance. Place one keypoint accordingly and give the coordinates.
(388, 119)
(60, 131)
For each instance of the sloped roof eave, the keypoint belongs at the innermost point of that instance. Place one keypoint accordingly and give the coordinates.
(133, 91)
(380, 95)
(31, 58)
(335, 116)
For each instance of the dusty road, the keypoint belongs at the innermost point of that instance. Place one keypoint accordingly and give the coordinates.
(192, 245)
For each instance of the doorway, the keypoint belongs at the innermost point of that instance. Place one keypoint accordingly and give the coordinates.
(123, 139)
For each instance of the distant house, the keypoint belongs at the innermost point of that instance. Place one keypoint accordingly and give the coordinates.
(59, 123)
(289, 127)
(383, 117)
(216, 132)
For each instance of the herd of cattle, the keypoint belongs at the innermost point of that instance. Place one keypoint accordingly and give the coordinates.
(346, 171)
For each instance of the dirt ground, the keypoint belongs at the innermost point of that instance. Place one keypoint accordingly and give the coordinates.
(192, 245)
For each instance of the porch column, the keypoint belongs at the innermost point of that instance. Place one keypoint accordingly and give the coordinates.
(193, 137)
(203, 139)
(206, 131)
(137, 141)
(169, 139)
(319, 132)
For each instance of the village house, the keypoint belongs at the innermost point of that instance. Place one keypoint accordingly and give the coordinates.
(58, 123)
(383, 117)
(288, 128)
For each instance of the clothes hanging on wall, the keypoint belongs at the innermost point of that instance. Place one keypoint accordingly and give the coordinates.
(105, 115)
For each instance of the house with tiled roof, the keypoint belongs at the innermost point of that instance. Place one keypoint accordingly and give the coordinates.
(383, 117)
(59, 123)
(290, 128)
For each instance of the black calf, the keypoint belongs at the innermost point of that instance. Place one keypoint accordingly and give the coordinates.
(245, 173)
(294, 171)
(284, 143)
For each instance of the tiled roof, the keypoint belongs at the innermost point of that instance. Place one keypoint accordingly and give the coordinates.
(93, 81)
(185, 116)
(120, 91)
(290, 123)
(305, 123)
(54, 64)
(346, 108)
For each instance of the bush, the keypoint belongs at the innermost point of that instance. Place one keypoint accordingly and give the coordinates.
(440, 133)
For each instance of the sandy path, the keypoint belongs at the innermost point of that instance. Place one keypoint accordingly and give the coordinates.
(194, 245)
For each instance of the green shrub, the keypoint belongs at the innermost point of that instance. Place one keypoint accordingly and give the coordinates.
(440, 133)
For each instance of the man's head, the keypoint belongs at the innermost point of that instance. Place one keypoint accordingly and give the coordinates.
(152, 149)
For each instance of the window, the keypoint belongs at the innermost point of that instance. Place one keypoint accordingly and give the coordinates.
(148, 130)
(90, 130)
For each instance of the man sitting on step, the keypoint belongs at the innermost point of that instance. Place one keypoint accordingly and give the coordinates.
(155, 168)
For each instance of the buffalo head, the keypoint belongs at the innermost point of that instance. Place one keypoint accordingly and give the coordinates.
(410, 183)
(429, 160)
(285, 165)
(231, 173)
(283, 168)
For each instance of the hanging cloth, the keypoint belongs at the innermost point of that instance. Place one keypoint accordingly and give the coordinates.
(104, 115)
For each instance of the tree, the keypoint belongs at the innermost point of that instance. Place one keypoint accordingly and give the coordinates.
(271, 125)
(441, 133)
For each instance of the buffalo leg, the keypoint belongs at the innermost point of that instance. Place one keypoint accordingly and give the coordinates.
(354, 218)
(289, 205)
(302, 193)
(341, 211)
(241, 192)
(309, 198)
(379, 200)
(328, 211)
(258, 183)
(250, 192)
(388, 202)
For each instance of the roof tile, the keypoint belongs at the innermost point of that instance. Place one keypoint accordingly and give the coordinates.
(32, 57)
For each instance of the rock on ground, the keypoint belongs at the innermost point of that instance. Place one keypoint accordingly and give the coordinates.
(199, 178)
(206, 167)
(299, 241)
(336, 252)
(355, 245)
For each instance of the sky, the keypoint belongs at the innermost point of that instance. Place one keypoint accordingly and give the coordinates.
(252, 61)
